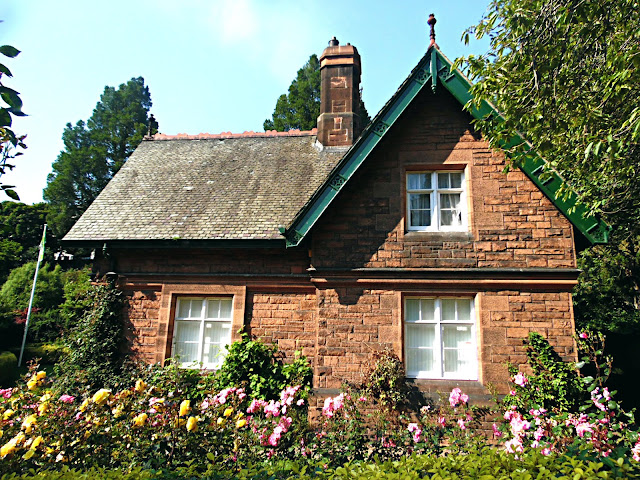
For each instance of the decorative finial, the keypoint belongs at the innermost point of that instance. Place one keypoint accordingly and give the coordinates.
(334, 42)
(432, 23)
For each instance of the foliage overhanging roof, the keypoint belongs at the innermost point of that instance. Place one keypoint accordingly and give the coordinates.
(433, 69)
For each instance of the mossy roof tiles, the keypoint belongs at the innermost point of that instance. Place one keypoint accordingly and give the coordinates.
(208, 187)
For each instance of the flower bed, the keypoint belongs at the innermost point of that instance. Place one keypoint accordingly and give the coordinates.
(161, 421)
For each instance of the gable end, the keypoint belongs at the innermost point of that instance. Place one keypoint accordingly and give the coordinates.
(435, 68)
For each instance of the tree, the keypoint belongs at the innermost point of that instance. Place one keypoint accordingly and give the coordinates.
(95, 151)
(301, 107)
(12, 106)
(21, 233)
(564, 75)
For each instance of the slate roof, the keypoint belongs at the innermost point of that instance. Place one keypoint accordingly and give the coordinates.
(208, 187)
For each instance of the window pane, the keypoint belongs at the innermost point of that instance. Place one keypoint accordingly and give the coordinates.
(187, 341)
(448, 309)
(450, 200)
(450, 180)
(183, 308)
(464, 310)
(450, 209)
(420, 360)
(456, 180)
(420, 218)
(412, 312)
(443, 180)
(216, 336)
(419, 181)
(196, 308)
(428, 306)
(456, 336)
(420, 335)
(225, 308)
(420, 201)
(458, 348)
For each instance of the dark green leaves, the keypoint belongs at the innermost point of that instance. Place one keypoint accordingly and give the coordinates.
(10, 192)
(8, 139)
(9, 51)
(11, 97)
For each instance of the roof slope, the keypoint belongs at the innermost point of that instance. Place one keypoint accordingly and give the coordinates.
(434, 69)
(208, 187)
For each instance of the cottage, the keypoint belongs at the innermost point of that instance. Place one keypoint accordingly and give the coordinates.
(344, 241)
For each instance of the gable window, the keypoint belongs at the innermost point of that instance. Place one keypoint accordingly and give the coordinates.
(202, 330)
(436, 201)
(440, 339)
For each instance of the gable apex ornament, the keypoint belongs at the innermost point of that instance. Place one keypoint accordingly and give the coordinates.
(432, 23)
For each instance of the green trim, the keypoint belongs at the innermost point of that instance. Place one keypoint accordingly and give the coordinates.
(433, 66)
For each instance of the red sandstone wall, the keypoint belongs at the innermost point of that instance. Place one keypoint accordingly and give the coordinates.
(512, 224)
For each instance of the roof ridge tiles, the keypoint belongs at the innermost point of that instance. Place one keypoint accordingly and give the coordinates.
(225, 135)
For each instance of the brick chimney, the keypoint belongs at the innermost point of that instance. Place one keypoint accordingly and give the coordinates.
(339, 123)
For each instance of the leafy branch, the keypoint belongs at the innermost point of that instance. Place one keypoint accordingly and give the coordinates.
(11, 106)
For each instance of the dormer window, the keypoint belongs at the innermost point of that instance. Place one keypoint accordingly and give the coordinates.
(436, 201)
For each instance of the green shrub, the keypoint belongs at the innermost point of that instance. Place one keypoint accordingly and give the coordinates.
(97, 344)
(60, 298)
(259, 370)
(8, 368)
(558, 384)
(385, 381)
(48, 353)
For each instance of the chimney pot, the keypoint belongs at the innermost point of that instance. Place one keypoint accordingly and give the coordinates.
(334, 42)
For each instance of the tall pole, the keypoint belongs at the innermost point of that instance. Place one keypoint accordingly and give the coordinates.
(33, 291)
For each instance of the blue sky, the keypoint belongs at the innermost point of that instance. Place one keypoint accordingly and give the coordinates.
(211, 66)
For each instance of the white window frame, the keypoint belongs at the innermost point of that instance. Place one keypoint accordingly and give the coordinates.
(202, 318)
(471, 373)
(434, 192)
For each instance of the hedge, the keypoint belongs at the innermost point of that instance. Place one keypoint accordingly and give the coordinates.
(486, 464)
(8, 368)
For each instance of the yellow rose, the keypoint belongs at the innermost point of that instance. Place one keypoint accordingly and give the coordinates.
(11, 445)
(43, 407)
(8, 448)
(84, 405)
(7, 414)
(29, 422)
(185, 407)
(140, 419)
(241, 423)
(49, 450)
(32, 383)
(228, 412)
(140, 386)
(36, 443)
(41, 374)
(220, 421)
(101, 396)
(192, 424)
(45, 398)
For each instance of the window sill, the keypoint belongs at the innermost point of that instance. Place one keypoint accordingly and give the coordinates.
(418, 235)
(438, 390)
